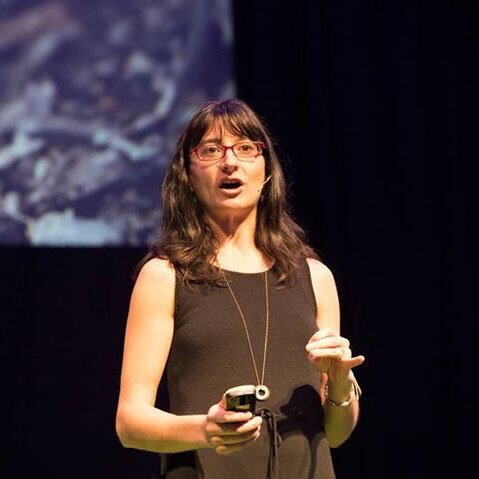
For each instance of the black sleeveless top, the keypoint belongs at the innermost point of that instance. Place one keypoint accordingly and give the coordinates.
(210, 353)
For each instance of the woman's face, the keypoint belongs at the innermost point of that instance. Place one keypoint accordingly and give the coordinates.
(229, 185)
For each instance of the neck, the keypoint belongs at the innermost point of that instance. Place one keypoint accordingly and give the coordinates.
(236, 237)
(238, 228)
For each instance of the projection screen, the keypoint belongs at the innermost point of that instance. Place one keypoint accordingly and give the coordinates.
(93, 97)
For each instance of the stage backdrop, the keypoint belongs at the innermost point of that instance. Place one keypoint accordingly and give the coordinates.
(93, 96)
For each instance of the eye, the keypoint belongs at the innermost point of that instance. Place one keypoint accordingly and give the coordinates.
(247, 147)
(209, 150)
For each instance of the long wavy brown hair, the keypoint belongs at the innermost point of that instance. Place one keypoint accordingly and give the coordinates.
(187, 240)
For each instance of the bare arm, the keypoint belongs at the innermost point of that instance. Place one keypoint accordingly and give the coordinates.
(331, 354)
(148, 338)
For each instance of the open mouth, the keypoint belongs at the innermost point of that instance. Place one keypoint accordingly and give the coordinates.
(230, 184)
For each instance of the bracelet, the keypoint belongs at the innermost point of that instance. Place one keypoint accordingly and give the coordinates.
(355, 393)
(345, 403)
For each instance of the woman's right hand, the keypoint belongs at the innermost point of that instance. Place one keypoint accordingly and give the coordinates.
(230, 431)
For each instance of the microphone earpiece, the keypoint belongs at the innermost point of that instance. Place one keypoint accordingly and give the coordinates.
(262, 184)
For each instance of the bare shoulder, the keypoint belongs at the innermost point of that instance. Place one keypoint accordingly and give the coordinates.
(157, 270)
(154, 288)
(320, 273)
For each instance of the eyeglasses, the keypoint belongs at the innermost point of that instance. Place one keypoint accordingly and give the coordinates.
(244, 151)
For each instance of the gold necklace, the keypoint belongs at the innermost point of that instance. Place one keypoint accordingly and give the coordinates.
(262, 391)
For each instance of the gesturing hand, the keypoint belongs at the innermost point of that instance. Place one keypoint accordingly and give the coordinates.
(230, 431)
(331, 354)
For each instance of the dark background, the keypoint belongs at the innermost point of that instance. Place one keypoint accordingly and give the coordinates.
(373, 105)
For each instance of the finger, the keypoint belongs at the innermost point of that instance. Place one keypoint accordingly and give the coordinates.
(218, 414)
(240, 428)
(323, 333)
(252, 425)
(227, 429)
(232, 416)
(353, 362)
(324, 364)
(329, 342)
(330, 353)
(224, 450)
(233, 440)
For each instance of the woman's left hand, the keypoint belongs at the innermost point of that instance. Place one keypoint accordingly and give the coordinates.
(331, 354)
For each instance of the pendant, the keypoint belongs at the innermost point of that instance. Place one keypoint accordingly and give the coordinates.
(262, 392)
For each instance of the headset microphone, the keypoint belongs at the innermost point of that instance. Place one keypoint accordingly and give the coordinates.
(262, 184)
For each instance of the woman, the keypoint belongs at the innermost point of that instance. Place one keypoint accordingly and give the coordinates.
(232, 295)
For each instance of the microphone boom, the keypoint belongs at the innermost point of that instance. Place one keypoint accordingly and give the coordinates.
(262, 184)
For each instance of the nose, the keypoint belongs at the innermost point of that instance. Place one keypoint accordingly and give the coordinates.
(230, 161)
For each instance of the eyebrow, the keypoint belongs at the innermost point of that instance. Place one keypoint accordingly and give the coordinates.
(212, 140)
(218, 140)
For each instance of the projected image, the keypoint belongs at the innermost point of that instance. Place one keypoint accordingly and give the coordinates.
(93, 97)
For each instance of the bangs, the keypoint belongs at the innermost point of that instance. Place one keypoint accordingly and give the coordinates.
(230, 116)
(238, 124)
